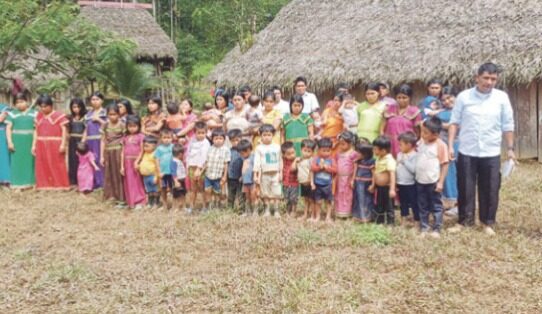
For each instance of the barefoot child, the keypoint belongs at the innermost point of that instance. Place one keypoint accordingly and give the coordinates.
(383, 181)
(111, 155)
(178, 172)
(346, 160)
(86, 168)
(289, 182)
(406, 176)
(216, 170)
(324, 168)
(268, 170)
(235, 168)
(363, 199)
(149, 168)
(304, 176)
(247, 177)
(132, 148)
(431, 169)
(197, 154)
(164, 154)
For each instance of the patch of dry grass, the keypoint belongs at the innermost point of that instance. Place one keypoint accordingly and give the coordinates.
(61, 253)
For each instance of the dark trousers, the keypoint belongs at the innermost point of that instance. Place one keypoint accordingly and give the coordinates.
(409, 199)
(383, 212)
(429, 202)
(484, 173)
(235, 188)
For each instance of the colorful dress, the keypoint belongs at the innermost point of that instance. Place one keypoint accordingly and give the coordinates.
(51, 172)
(134, 188)
(449, 192)
(85, 172)
(400, 122)
(270, 117)
(343, 191)
(113, 185)
(94, 140)
(363, 204)
(22, 167)
(4, 151)
(76, 129)
(333, 127)
(151, 121)
(296, 129)
(370, 119)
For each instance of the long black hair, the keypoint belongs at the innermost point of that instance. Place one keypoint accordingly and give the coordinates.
(128, 105)
(81, 104)
(297, 99)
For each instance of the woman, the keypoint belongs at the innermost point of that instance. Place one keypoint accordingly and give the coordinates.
(434, 90)
(271, 115)
(76, 130)
(401, 118)
(49, 147)
(125, 108)
(371, 122)
(236, 118)
(94, 120)
(4, 151)
(189, 120)
(332, 121)
(222, 101)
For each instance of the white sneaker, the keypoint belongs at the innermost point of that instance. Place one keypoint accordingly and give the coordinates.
(489, 231)
(456, 229)
(453, 212)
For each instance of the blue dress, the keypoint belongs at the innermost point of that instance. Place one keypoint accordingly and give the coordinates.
(450, 183)
(363, 203)
(4, 152)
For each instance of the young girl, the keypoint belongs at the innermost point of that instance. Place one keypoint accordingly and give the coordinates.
(296, 125)
(86, 168)
(4, 151)
(125, 109)
(20, 135)
(272, 116)
(363, 199)
(76, 130)
(174, 120)
(346, 158)
(49, 147)
(132, 148)
(153, 122)
(94, 120)
(111, 155)
(371, 113)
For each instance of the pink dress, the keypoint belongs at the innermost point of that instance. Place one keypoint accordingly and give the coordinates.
(398, 123)
(134, 191)
(85, 172)
(343, 189)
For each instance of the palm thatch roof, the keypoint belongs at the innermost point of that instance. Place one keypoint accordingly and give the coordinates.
(332, 41)
(137, 25)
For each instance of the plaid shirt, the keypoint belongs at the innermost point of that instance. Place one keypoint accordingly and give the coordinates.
(216, 159)
(289, 175)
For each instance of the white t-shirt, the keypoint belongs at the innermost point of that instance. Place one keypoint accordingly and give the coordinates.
(429, 159)
(267, 158)
(310, 103)
(350, 116)
(197, 153)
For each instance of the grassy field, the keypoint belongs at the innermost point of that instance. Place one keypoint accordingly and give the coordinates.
(62, 253)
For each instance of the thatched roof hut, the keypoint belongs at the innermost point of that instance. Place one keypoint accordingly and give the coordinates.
(355, 41)
(138, 25)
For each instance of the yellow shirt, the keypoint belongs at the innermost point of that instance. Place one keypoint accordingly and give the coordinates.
(147, 166)
(386, 163)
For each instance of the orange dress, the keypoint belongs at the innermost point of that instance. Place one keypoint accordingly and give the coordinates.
(334, 125)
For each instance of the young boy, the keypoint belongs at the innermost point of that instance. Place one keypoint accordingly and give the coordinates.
(149, 168)
(431, 169)
(289, 182)
(235, 169)
(216, 169)
(268, 170)
(406, 176)
(178, 172)
(304, 176)
(383, 181)
(324, 168)
(164, 154)
(197, 155)
(249, 189)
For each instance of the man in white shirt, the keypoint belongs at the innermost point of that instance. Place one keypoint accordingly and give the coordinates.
(280, 104)
(311, 104)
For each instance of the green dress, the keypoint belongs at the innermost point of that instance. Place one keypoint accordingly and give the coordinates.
(370, 119)
(296, 129)
(22, 160)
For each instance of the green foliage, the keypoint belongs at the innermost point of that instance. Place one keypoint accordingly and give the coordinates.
(360, 235)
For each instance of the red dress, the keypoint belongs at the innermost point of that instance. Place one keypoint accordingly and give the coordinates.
(51, 172)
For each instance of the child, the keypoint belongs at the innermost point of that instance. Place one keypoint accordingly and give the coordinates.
(153, 122)
(254, 116)
(149, 168)
(111, 152)
(179, 175)
(431, 169)
(383, 181)
(324, 168)
(268, 170)
(85, 168)
(76, 129)
(174, 120)
(20, 135)
(249, 189)
(348, 111)
(164, 154)
(304, 176)
(216, 169)
(125, 109)
(212, 117)
(289, 182)
(132, 148)
(346, 159)
(432, 108)
(235, 169)
(363, 199)
(406, 176)
(197, 155)
(296, 125)
(94, 121)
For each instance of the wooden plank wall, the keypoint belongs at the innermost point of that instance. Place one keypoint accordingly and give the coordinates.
(525, 102)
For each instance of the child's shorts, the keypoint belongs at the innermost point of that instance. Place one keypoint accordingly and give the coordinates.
(213, 184)
(306, 191)
(323, 192)
(167, 182)
(192, 173)
(150, 185)
(248, 188)
(291, 194)
(179, 191)
(270, 186)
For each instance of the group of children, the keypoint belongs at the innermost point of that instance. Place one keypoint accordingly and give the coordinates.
(254, 167)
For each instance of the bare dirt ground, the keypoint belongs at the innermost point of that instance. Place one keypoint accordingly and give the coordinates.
(62, 253)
